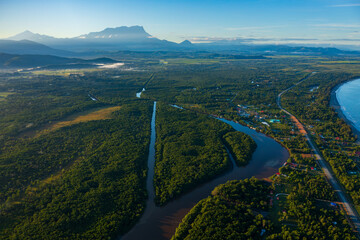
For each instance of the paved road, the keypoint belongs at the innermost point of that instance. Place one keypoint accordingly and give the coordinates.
(349, 208)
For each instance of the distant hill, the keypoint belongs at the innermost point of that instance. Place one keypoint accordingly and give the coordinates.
(185, 43)
(29, 47)
(135, 38)
(109, 39)
(11, 61)
(300, 50)
(27, 35)
(160, 55)
(135, 33)
(254, 49)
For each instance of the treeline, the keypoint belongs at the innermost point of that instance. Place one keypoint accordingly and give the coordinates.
(211, 87)
(36, 100)
(21, 111)
(307, 212)
(232, 212)
(342, 165)
(244, 210)
(306, 182)
(313, 108)
(86, 181)
(241, 147)
(189, 150)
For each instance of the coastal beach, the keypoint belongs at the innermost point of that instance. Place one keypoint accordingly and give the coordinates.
(336, 105)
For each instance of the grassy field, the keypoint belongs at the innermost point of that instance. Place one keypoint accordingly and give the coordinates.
(101, 113)
(3, 95)
(341, 62)
(192, 61)
(67, 72)
(353, 68)
(98, 114)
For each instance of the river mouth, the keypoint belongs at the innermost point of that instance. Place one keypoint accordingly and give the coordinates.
(161, 222)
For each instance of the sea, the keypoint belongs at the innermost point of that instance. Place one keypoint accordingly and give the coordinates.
(348, 96)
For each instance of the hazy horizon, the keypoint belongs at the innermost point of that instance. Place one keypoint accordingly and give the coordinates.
(303, 22)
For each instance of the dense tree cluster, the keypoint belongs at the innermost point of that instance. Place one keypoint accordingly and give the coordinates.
(313, 108)
(232, 212)
(87, 181)
(241, 146)
(242, 210)
(307, 183)
(211, 87)
(37, 100)
(97, 189)
(342, 165)
(189, 150)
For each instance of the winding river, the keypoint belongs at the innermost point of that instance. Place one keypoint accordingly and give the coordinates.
(161, 222)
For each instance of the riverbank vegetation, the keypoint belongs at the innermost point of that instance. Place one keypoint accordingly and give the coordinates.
(241, 147)
(97, 186)
(304, 204)
(254, 209)
(190, 150)
(87, 180)
(82, 181)
(232, 212)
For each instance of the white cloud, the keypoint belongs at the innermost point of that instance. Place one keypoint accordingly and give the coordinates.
(347, 5)
(243, 28)
(337, 25)
(253, 28)
(325, 40)
(248, 39)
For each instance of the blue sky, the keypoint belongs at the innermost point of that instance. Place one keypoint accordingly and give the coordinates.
(258, 21)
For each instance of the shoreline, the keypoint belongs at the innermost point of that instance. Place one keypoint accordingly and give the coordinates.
(334, 103)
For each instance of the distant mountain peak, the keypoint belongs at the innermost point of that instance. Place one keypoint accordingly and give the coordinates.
(186, 43)
(28, 35)
(27, 32)
(123, 33)
(126, 28)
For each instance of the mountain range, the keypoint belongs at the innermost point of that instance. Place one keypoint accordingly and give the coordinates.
(13, 61)
(30, 47)
(135, 38)
(109, 39)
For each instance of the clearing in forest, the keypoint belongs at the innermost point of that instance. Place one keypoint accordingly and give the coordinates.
(85, 116)
(101, 114)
